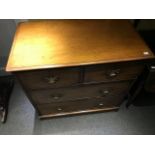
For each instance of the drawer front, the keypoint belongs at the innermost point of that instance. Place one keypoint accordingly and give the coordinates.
(83, 92)
(62, 108)
(112, 72)
(53, 78)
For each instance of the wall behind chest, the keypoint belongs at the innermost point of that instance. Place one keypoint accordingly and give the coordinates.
(7, 30)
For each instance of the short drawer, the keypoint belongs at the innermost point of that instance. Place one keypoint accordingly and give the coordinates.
(52, 78)
(80, 106)
(112, 72)
(83, 92)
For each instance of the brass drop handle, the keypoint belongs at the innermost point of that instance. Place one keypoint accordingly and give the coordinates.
(114, 73)
(104, 92)
(100, 104)
(51, 79)
(59, 109)
(56, 96)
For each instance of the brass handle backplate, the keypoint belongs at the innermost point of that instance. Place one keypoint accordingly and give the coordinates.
(101, 104)
(104, 93)
(56, 96)
(51, 79)
(113, 73)
(59, 109)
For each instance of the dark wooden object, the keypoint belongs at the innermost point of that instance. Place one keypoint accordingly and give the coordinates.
(143, 91)
(6, 86)
(148, 36)
(77, 66)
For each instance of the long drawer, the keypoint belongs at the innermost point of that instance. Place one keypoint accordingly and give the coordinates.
(83, 92)
(52, 78)
(79, 106)
(112, 72)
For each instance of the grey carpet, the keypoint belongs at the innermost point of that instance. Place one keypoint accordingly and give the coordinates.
(21, 114)
(23, 120)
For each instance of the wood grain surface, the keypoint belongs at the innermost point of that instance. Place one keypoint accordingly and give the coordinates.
(61, 43)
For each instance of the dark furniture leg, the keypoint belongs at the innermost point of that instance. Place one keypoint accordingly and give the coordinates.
(137, 87)
(6, 86)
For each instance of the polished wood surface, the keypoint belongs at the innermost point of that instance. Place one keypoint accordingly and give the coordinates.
(44, 79)
(61, 43)
(107, 90)
(112, 72)
(67, 77)
(69, 67)
(81, 106)
(77, 112)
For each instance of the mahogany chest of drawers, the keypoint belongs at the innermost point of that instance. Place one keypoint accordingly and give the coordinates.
(77, 66)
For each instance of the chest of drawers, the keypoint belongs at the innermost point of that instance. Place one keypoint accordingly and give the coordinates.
(70, 67)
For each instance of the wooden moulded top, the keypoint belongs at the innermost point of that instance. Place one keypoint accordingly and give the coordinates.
(61, 43)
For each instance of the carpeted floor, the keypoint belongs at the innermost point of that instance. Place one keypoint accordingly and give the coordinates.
(23, 120)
